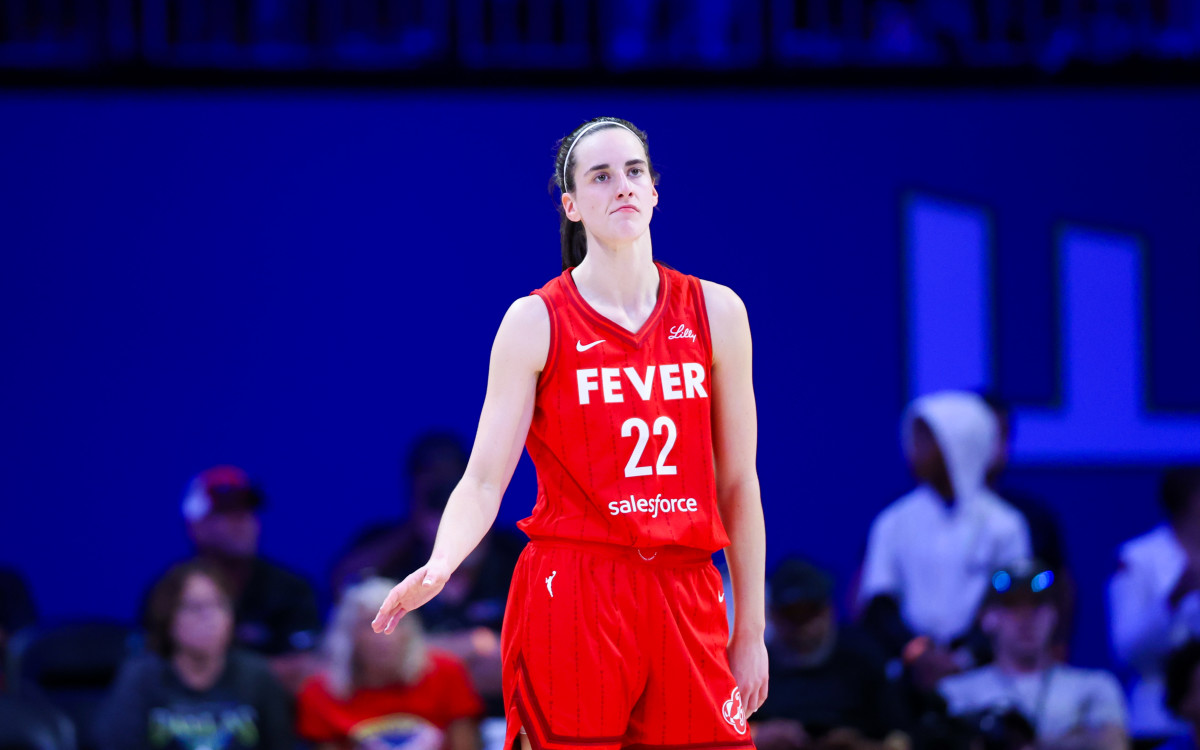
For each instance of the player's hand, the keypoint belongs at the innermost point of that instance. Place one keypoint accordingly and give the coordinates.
(748, 662)
(422, 584)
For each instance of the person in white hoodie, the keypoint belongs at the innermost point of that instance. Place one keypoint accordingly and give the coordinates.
(931, 552)
(1154, 600)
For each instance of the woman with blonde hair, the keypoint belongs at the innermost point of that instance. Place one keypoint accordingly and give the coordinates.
(386, 692)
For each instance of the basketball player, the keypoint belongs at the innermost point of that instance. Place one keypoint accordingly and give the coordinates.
(629, 383)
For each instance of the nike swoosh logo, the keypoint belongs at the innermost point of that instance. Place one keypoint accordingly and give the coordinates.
(721, 596)
(579, 347)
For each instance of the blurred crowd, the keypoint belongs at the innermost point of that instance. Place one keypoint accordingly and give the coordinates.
(956, 636)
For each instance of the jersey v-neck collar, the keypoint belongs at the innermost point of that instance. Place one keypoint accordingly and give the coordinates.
(634, 339)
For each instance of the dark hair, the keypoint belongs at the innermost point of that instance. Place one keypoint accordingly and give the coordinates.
(1180, 666)
(572, 234)
(165, 598)
(1179, 486)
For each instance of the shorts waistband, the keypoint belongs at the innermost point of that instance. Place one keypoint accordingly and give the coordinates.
(671, 554)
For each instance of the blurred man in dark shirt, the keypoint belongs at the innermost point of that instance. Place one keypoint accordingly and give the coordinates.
(275, 610)
(829, 684)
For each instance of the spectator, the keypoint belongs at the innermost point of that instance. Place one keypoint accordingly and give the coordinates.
(929, 552)
(1155, 601)
(829, 685)
(1183, 693)
(1068, 708)
(465, 617)
(16, 611)
(387, 690)
(1045, 530)
(275, 610)
(192, 691)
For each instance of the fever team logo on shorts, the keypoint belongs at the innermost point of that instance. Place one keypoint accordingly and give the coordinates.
(735, 712)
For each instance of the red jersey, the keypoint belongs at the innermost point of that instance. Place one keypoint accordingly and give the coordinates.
(399, 712)
(622, 428)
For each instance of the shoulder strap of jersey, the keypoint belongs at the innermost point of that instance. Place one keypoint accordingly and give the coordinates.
(697, 290)
(552, 353)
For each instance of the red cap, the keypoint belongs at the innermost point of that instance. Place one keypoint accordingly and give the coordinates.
(221, 488)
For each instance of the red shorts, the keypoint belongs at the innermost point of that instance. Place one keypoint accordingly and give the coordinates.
(608, 647)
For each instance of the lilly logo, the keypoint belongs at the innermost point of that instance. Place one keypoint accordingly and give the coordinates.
(735, 712)
(682, 332)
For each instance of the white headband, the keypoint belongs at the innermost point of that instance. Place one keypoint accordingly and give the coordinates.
(579, 135)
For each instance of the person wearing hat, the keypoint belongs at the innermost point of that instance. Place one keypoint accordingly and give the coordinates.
(1069, 708)
(275, 610)
(829, 685)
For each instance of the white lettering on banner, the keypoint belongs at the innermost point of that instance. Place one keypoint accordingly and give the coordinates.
(653, 505)
(1102, 414)
(674, 382)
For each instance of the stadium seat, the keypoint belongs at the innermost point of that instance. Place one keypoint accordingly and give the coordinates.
(70, 666)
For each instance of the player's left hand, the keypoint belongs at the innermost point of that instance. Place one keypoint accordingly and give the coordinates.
(419, 587)
(748, 662)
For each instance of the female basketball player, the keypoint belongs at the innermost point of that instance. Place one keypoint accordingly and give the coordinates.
(629, 383)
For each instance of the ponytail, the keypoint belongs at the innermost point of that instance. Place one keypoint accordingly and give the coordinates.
(574, 242)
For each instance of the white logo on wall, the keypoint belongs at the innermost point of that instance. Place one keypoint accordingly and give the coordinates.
(948, 275)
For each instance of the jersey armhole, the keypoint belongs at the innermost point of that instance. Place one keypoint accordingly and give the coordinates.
(702, 317)
(552, 352)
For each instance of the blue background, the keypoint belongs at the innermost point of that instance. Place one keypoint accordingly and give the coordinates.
(300, 283)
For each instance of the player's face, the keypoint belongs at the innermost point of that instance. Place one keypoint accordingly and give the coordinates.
(614, 194)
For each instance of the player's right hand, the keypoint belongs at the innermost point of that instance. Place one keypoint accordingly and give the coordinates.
(420, 586)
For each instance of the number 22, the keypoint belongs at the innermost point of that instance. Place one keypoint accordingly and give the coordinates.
(632, 469)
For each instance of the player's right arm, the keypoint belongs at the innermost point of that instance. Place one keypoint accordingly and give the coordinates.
(518, 356)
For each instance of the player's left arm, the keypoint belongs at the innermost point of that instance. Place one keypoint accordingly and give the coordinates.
(735, 444)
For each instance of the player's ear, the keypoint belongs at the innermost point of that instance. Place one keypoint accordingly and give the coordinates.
(569, 207)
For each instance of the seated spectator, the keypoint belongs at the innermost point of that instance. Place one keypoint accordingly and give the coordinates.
(16, 611)
(1183, 693)
(828, 684)
(465, 618)
(1045, 530)
(1154, 600)
(1067, 708)
(192, 690)
(275, 610)
(929, 553)
(386, 690)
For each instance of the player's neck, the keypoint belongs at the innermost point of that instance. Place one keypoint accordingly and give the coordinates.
(623, 277)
